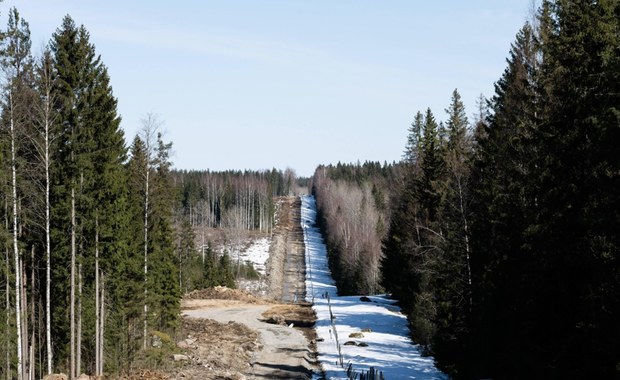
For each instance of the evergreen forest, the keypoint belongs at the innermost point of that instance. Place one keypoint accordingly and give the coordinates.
(502, 239)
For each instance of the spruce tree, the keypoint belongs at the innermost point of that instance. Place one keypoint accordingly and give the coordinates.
(403, 236)
(89, 194)
(544, 256)
(413, 245)
(188, 278)
(452, 279)
(67, 65)
(504, 189)
(431, 170)
(579, 180)
(164, 290)
(412, 149)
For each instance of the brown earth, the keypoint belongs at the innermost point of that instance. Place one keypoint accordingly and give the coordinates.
(227, 334)
(220, 293)
(286, 265)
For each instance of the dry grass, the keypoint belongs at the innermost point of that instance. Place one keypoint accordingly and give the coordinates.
(224, 293)
(145, 374)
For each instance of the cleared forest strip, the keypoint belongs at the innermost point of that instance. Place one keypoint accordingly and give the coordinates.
(286, 265)
(282, 346)
(369, 332)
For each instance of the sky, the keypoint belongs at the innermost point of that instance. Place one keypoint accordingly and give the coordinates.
(261, 84)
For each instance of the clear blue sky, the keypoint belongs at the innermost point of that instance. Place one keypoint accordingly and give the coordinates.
(258, 84)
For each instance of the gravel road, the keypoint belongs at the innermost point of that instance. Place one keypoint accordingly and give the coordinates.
(285, 351)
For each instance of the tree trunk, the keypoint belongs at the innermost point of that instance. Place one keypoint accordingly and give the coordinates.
(32, 314)
(102, 328)
(146, 246)
(97, 316)
(467, 248)
(149, 131)
(78, 345)
(72, 301)
(7, 311)
(48, 255)
(24, 320)
(7, 293)
(18, 311)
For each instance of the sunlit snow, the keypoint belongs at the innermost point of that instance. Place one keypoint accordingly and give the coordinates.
(257, 254)
(389, 348)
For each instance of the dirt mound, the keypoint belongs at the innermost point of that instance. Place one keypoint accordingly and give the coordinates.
(300, 315)
(145, 374)
(223, 293)
(216, 350)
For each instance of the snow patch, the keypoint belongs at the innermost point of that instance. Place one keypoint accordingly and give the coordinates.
(257, 254)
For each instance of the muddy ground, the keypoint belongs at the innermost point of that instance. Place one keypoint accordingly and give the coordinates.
(232, 334)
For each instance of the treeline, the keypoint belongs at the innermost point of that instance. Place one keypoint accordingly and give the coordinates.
(427, 262)
(503, 245)
(502, 242)
(352, 202)
(231, 199)
(236, 204)
(88, 264)
(203, 267)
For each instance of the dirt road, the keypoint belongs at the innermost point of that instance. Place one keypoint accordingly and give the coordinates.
(286, 266)
(282, 351)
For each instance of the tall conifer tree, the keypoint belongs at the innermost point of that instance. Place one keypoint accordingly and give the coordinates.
(452, 279)
(90, 193)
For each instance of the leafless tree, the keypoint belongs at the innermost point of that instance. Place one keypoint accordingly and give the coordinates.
(150, 128)
(44, 121)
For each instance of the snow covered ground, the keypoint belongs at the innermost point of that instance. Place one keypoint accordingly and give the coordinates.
(257, 254)
(387, 347)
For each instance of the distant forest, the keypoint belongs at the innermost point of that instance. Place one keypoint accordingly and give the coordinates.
(500, 235)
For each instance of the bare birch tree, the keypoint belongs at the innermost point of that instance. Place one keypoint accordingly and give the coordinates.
(148, 134)
(43, 140)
